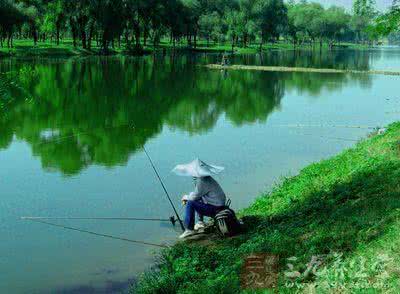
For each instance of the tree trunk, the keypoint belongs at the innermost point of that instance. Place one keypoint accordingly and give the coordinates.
(35, 38)
(145, 35)
(137, 36)
(34, 35)
(74, 31)
(90, 37)
(156, 40)
(9, 44)
(58, 34)
(83, 38)
(105, 41)
(126, 39)
(82, 31)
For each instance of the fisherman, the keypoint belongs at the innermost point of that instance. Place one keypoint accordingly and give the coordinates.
(225, 61)
(207, 199)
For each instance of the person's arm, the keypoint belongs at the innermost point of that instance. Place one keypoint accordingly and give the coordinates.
(198, 192)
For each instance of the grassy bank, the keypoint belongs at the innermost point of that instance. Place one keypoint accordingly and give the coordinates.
(344, 210)
(301, 69)
(26, 48)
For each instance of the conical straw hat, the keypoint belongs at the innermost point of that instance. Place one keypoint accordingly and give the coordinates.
(197, 168)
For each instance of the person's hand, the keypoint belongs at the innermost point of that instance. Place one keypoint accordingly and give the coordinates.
(184, 199)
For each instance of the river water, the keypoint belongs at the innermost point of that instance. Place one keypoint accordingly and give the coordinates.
(70, 146)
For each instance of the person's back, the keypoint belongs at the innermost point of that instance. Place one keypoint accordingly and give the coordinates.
(210, 191)
(224, 61)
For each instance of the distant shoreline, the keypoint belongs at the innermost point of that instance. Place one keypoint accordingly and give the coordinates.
(25, 48)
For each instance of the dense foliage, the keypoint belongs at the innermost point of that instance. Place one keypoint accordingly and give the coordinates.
(136, 23)
(389, 23)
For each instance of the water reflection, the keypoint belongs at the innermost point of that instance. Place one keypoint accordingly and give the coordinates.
(101, 110)
(338, 59)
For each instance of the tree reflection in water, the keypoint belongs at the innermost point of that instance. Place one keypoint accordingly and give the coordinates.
(101, 110)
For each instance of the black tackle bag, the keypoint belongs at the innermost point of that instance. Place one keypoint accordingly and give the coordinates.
(227, 222)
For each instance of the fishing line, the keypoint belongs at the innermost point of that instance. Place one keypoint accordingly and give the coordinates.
(171, 219)
(97, 234)
(149, 158)
(326, 126)
(331, 138)
(62, 138)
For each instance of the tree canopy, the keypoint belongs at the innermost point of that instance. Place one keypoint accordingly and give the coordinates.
(136, 23)
(389, 22)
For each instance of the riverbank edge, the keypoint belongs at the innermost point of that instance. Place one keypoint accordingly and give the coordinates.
(300, 69)
(25, 49)
(345, 208)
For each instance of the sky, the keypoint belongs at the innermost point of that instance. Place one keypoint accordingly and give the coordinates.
(382, 5)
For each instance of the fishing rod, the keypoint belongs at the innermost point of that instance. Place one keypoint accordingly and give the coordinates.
(95, 233)
(171, 219)
(164, 188)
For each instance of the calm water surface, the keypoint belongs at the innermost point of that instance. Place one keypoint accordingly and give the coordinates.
(70, 145)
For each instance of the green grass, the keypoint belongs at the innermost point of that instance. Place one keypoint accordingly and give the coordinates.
(26, 48)
(255, 48)
(346, 210)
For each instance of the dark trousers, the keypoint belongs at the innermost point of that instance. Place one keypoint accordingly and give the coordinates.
(202, 209)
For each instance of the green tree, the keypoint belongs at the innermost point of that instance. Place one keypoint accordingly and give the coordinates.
(233, 26)
(336, 22)
(12, 16)
(210, 26)
(247, 18)
(53, 19)
(292, 28)
(364, 13)
(272, 18)
(390, 21)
